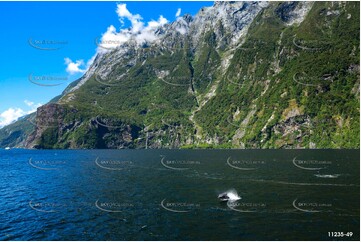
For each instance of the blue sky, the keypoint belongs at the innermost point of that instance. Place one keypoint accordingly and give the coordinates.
(71, 30)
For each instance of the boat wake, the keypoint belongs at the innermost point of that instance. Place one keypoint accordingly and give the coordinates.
(304, 183)
(327, 176)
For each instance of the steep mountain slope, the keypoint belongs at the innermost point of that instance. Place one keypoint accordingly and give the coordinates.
(293, 85)
(15, 134)
(237, 75)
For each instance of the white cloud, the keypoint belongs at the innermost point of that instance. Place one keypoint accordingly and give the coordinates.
(111, 39)
(32, 105)
(182, 30)
(178, 12)
(12, 114)
(136, 19)
(182, 27)
(74, 67)
(29, 103)
(122, 11)
(139, 31)
(152, 25)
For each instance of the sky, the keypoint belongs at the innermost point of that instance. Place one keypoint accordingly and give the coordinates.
(48, 45)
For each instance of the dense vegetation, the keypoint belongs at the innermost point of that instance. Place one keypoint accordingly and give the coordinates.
(327, 99)
(287, 86)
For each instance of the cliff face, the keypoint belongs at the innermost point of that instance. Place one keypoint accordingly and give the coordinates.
(238, 74)
(49, 120)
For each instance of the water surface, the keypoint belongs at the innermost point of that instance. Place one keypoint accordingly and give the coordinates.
(172, 194)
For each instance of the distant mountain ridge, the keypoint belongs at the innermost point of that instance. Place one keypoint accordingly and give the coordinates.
(236, 75)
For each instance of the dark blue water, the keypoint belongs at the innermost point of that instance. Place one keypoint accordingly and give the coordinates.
(172, 194)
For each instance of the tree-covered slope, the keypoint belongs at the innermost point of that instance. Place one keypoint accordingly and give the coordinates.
(292, 86)
(243, 75)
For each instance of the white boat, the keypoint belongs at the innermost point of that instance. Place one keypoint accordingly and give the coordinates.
(230, 195)
(7, 148)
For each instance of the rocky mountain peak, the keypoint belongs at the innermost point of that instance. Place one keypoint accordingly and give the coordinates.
(232, 17)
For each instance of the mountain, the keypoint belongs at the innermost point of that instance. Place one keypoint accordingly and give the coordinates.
(236, 75)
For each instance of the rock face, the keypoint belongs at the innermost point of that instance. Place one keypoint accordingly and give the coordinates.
(293, 12)
(230, 20)
(49, 117)
(223, 18)
(236, 75)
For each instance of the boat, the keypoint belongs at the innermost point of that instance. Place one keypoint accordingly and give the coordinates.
(223, 197)
(7, 148)
(230, 195)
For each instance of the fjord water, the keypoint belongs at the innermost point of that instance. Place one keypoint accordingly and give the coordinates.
(172, 194)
